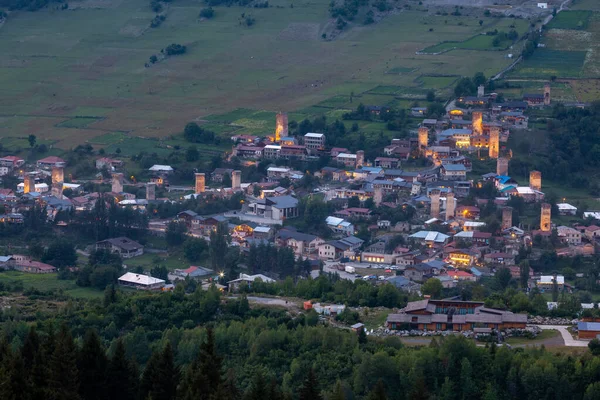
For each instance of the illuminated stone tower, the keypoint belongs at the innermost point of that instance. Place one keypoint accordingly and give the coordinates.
(535, 180)
(423, 138)
(494, 148)
(360, 158)
(58, 174)
(236, 180)
(507, 217)
(546, 218)
(150, 191)
(200, 185)
(477, 121)
(29, 182)
(480, 91)
(434, 196)
(117, 182)
(502, 166)
(377, 195)
(547, 94)
(281, 126)
(450, 206)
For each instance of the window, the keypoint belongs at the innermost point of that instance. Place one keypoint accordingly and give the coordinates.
(438, 326)
(414, 319)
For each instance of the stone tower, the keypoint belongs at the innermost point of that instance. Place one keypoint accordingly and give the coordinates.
(535, 180)
(29, 182)
(507, 217)
(450, 206)
(547, 94)
(480, 91)
(434, 196)
(281, 126)
(117, 182)
(57, 190)
(502, 166)
(200, 184)
(236, 180)
(58, 174)
(423, 138)
(477, 121)
(494, 148)
(360, 158)
(377, 195)
(415, 189)
(546, 218)
(150, 191)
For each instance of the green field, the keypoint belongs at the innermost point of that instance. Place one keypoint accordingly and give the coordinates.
(88, 61)
(545, 63)
(47, 282)
(592, 5)
(570, 20)
(479, 42)
(437, 82)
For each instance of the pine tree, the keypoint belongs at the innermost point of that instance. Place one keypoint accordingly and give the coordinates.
(121, 384)
(447, 390)
(258, 388)
(310, 387)
(229, 390)
(362, 336)
(203, 377)
(30, 348)
(167, 376)
(149, 376)
(63, 378)
(378, 392)
(338, 392)
(15, 387)
(92, 365)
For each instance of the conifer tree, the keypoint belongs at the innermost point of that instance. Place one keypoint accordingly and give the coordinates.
(378, 392)
(121, 384)
(92, 363)
(338, 392)
(258, 388)
(63, 381)
(167, 376)
(310, 387)
(203, 377)
(15, 387)
(148, 376)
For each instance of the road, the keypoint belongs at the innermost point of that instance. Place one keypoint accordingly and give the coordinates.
(327, 268)
(569, 341)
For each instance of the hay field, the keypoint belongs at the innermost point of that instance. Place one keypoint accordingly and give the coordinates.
(88, 62)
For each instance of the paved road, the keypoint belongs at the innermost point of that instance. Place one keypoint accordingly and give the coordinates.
(569, 341)
(327, 268)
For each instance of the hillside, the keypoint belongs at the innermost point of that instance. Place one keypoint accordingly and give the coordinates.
(89, 61)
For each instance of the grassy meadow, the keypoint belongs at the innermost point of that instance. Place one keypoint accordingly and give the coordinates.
(79, 75)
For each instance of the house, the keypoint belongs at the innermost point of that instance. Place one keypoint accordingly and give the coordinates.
(462, 257)
(453, 315)
(569, 235)
(263, 232)
(592, 232)
(247, 151)
(566, 209)
(207, 225)
(546, 282)
(459, 275)
(430, 238)
(303, 244)
(387, 162)
(349, 160)
(187, 216)
(12, 218)
(220, 173)
(193, 272)
(340, 225)
(108, 163)
(277, 173)
(420, 272)
(542, 5)
(353, 212)
(314, 141)
(34, 267)
(331, 310)
(11, 162)
(533, 99)
(357, 327)
(235, 284)
(402, 283)
(333, 250)
(6, 262)
(418, 111)
(277, 208)
(499, 258)
(161, 169)
(140, 281)
(50, 162)
(588, 330)
(122, 246)
(455, 172)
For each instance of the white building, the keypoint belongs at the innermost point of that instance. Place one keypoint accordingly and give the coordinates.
(140, 281)
(162, 169)
(314, 141)
(566, 209)
(340, 225)
(543, 5)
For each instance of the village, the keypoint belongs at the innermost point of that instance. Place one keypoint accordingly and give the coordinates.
(388, 225)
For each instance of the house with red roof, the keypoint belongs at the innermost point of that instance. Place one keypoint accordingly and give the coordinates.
(51, 161)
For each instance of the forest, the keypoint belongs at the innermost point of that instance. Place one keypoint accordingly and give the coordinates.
(173, 346)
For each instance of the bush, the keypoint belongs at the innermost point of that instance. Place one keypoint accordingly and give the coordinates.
(174, 49)
(207, 13)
